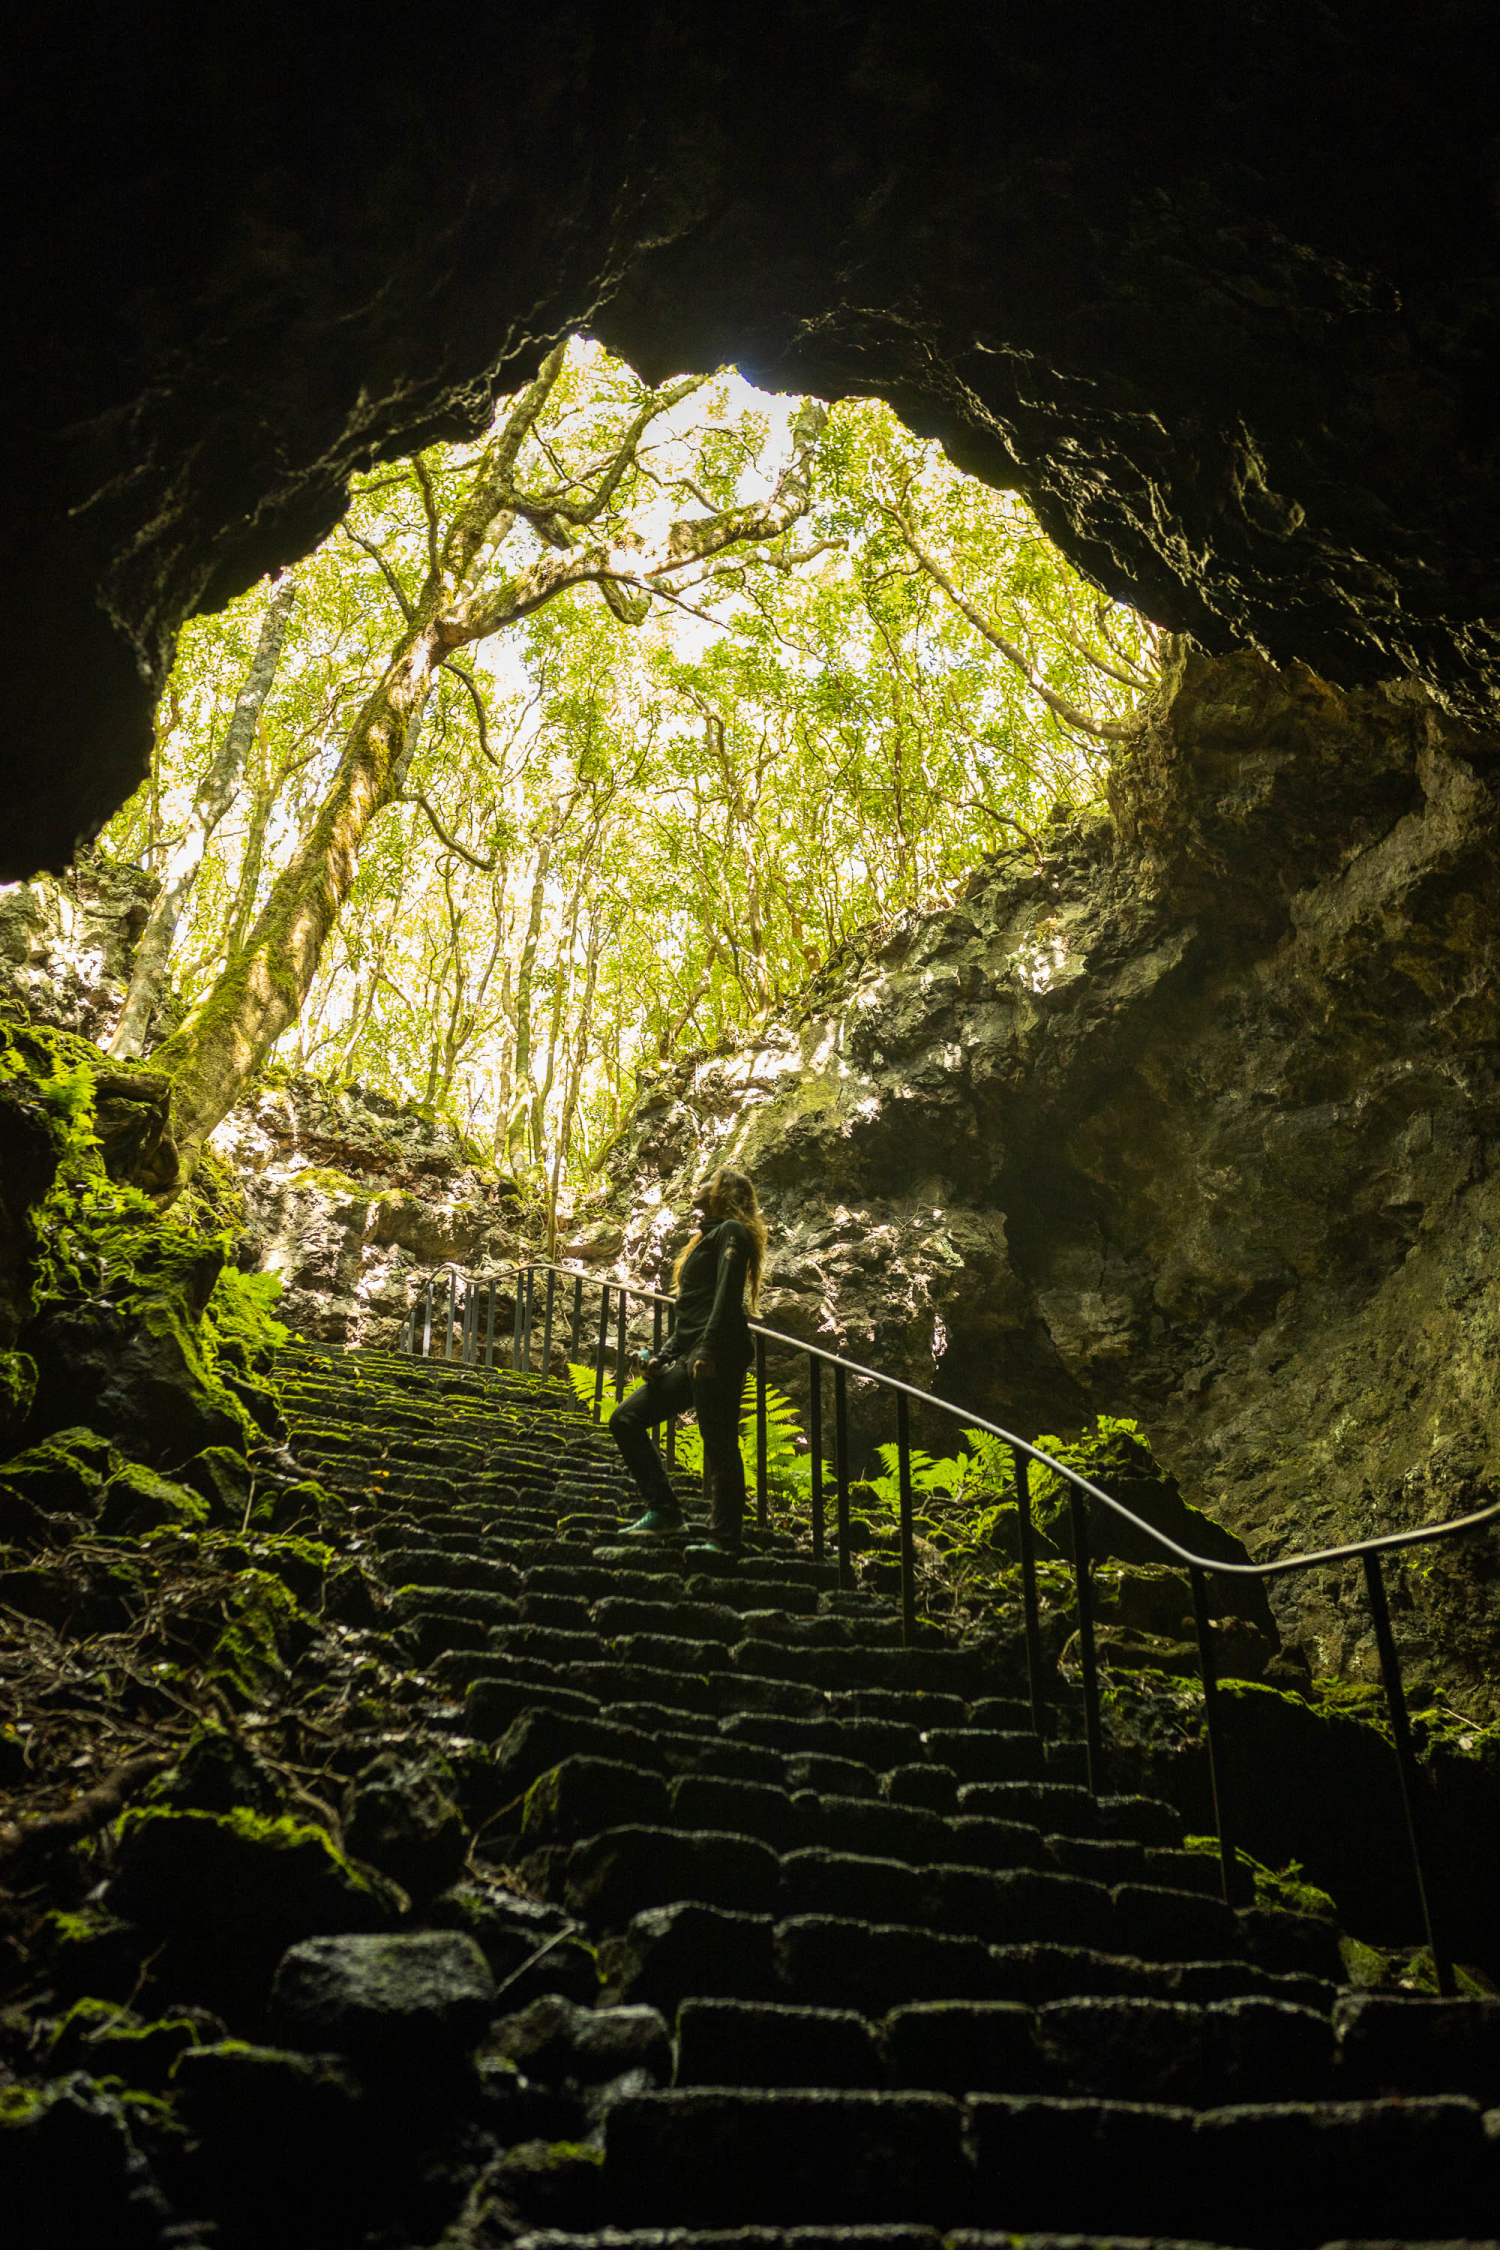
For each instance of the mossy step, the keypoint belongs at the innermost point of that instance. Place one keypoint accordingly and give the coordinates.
(700, 2157)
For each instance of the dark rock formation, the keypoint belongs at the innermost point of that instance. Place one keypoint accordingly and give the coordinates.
(1194, 1123)
(1215, 287)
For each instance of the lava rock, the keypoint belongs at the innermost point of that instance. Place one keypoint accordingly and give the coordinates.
(670, 1952)
(398, 1814)
(225, 1894)
(555, 2040)
(388, 2002)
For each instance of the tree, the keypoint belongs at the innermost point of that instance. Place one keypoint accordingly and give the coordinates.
(598, 848)
(226, 769)
(573, 507)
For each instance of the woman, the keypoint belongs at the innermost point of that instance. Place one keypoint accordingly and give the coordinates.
(704, 1364)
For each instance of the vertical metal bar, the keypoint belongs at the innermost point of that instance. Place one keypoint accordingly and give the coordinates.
(762, 1493)
(620, 1342)
(465, 1321)
(1213, 1721)
(427, 1323)
(815, 1438)
(526, 1323)
(489, 1349)
(1088, 1657)
(602, 1353)
(841, 1475)
(575, 1342)
(448, 1316)
(515, 1323)
(908, 1545)
(1413, 1792)
(672, 1423)
(547, 1320)
(1026, 1536)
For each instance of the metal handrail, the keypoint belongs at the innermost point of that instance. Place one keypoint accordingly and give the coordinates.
(1081, 1489)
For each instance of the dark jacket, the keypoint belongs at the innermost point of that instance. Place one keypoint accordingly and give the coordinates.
(711, 1320)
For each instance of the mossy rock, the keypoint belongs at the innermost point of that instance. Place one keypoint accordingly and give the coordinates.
(71, 2169)
(225, 1894)
(550, 2183)
(111, 2041)
(17, 1390)
(90, 1950)
(66, 1471)
(215, 1773)
(138, 1500)
(221, 1475)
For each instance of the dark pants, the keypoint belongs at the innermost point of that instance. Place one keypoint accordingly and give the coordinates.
(715, 1399)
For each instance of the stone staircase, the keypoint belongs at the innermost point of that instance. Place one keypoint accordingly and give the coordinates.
(909, 1977)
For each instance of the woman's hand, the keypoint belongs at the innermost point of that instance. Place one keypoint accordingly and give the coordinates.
(705, 1369)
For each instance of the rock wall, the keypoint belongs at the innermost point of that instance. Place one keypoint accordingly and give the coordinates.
(1215, 287)
(348, 1196)
(351, 1198)
(66, 946)
(1194, 1122)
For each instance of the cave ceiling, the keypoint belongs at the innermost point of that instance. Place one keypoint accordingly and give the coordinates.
(1215, 287)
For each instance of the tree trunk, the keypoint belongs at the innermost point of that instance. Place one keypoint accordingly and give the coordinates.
(226, 1039)
(216, 792)
(515, 1131)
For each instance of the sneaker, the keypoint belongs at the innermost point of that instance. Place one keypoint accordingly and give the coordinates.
(653, 1524)
(712, 1546)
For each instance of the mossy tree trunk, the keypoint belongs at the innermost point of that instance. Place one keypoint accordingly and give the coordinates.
(216, 793)
(229, 1034)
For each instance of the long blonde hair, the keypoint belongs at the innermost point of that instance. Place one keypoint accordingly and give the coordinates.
(736, 1192)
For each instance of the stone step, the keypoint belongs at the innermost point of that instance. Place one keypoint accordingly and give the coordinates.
(1421, 2169)
(1199, 2056)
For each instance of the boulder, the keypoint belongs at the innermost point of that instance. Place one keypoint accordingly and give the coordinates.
(390, 2003)
(223, 1895)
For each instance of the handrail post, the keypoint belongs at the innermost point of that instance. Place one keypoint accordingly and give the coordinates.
(528, 1318)
(1088, 1657)
(547, 1318)
(841, 1476)
(515, 1326)
(1213, 1721)
(427, 1323)
(489, 1348)
(1031, 1607)
(575, 1344)
(448, 1316)
(908, 1548)
(815, 1439)
(672, 1419)
(762, 1510)
(602, 1353)
(1413, 1794)
(621, 1344)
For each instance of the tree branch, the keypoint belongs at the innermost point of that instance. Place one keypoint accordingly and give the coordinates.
(451, 843)
(481, 721)
(23, 1841)
(407, 607)
(1108, 730)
